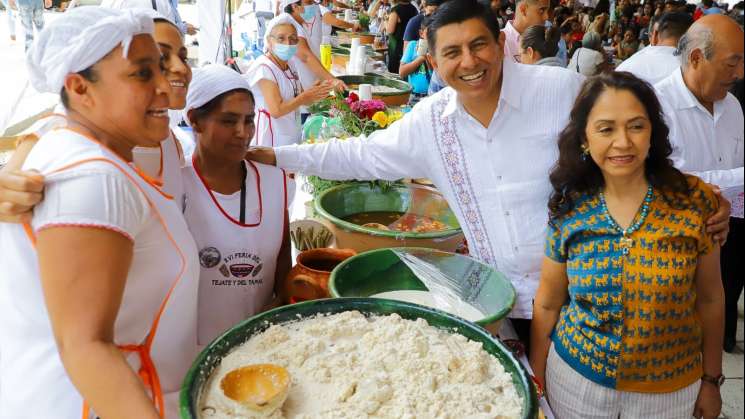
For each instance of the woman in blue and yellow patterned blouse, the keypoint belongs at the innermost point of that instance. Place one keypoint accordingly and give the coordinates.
(628, 318)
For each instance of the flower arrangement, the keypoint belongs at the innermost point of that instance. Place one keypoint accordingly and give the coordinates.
(350, 117)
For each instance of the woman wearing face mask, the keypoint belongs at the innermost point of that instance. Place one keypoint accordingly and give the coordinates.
(305, 58)
(109, 291)
(276, 84)
(236, 210)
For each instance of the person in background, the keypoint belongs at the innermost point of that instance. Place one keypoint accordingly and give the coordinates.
(415, 66)
(628, 46)
(657, 61)
(600, 25)
(11, 16)
(306, 61)
(32, 16)
(186, 28)
(590, 59)
(413, 27)
(539, 46)
(276, 85)
(706, 128)
(529, 13)
(565, 40)
(707, 7)
(109, 289)
(627, 318)
(644, 19)
(318, 21)
(236, 210)
(398, 18)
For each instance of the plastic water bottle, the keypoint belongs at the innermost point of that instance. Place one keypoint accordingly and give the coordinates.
(326, 53)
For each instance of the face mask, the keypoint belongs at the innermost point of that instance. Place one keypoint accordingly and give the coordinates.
(284, 52)
(310, 12)
(548, 24)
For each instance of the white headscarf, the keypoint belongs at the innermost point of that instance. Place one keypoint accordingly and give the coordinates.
(163, 9)
(209, 82)
(80, 38)
(284, 3)
(282, 19)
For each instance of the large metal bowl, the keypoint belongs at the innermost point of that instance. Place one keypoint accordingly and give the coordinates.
(210, 358)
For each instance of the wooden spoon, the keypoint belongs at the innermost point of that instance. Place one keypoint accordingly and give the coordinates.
(260, 387)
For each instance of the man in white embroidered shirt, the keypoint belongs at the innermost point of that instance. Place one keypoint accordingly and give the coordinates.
(706, 125)
(658, 61)
(487, 142)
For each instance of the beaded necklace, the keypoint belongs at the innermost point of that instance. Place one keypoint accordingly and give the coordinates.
(627, 242)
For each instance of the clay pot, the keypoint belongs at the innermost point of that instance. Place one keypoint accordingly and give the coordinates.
(309, 279)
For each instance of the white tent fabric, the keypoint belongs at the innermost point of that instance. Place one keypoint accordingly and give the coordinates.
(211, 37)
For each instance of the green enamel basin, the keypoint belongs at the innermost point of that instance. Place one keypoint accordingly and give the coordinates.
(211, 356)
(385, 270)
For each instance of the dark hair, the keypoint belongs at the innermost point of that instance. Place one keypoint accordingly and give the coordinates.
(437, 3)
(88, 74)
(573, 176)
(288, 9)
(426, 22)
(707, 3)
(459, 11)
(209, 107)
(673, 25)
(543, 40)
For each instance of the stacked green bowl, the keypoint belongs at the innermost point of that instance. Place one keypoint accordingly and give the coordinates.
(384, 270)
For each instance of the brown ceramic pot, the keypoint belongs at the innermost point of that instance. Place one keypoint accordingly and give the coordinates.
(309, 279)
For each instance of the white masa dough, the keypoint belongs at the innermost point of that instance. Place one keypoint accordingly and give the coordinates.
(349, 366)
(441, 302)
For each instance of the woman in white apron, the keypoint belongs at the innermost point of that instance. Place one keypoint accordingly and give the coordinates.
(277, 88)
(98, 292)
(321, 21)
(162, 163)
(236, 210)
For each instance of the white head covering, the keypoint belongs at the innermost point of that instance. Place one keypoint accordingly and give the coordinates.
(163, 9)
(285, 3)
(209, 82)
(80, 38)
(282, 19)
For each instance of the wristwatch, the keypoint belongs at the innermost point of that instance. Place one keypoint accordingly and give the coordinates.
(718, 381)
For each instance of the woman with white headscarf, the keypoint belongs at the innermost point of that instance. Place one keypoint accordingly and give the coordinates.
(276, 84)
(306, 59)
(235, 209)
(98, 296)
(162, 163)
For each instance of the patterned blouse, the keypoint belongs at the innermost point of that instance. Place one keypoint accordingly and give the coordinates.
(630, 322)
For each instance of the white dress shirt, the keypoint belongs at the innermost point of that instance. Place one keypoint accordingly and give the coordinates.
(708, 146)
(652, 64)
(495, 178)
(511, 42)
